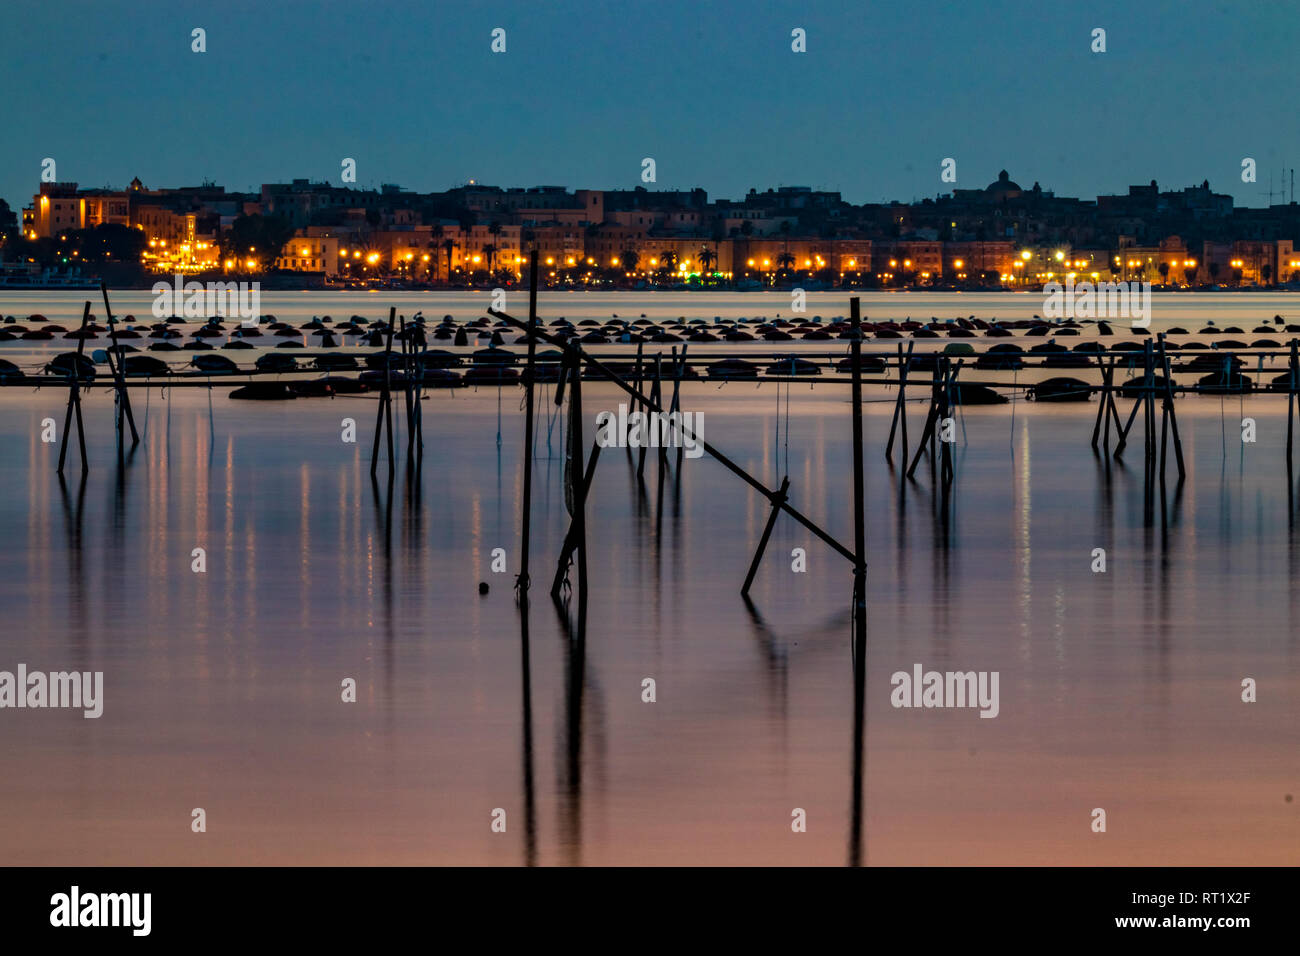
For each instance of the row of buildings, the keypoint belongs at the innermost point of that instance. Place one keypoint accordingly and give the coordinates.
(1000, 235)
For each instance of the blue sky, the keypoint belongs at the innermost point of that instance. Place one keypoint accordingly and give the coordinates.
(710, 90)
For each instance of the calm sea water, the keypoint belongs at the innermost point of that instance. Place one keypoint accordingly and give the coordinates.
(1119, 690)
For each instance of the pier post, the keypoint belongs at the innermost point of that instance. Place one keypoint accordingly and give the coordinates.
(945, 411)
(1103, 408)
(417, 362)
(679, 371)
(1293, 367)
(659, 375)
(74, 400)
(570, 536)
(900, 411)
(859, 608)
(580, 498)
(522, 582)
(859, 504)
(1169, 404)
(384, 416)
(927, 433)
(406, 388)
(655, 398)
(121, 399)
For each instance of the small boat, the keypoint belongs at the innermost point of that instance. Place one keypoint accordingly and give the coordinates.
(1230, 382)
(978, 395)
(69, 364)
(217, 364)
(275, 362)
(866, 363)
(1281, 383)
(1209, 362)
(1059, 390)
(732, 368)
(1136, 387)
(1003, 357)
(145, 365)
(494, 357)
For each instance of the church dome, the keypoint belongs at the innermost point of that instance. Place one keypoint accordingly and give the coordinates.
(1003, 184)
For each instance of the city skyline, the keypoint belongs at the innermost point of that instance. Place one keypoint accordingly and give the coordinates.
(583, 95)
(1004, 233)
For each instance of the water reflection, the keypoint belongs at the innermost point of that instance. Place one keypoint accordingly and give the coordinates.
(759, 692)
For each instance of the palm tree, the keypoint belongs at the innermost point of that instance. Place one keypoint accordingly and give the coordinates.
(667, 261)
(629, 259)
(490, 251)
(784, 262)
(707, 258)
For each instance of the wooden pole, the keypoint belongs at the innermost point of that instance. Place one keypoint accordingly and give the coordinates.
(859, 515)
(636, 376)
(406, 390)
(1172, 413)
(659, 375)
(900, 410)
(522, 582)
(580, 499)
(122, 397)
(384, 416)
(777, 500)
(679, 371)
(570, 536)
(927, 433)
(859, 603)
(656, 397)
(74, 399)
(1290, 402)
(1103, 405)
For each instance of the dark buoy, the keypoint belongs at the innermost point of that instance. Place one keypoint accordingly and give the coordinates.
(461, 338)
(482, 587)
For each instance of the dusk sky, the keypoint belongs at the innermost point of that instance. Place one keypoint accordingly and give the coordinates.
(711, 91)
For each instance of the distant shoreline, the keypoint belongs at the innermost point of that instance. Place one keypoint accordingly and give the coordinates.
(487, 289)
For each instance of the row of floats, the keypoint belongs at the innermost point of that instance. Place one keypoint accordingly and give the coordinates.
(1220, 372)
